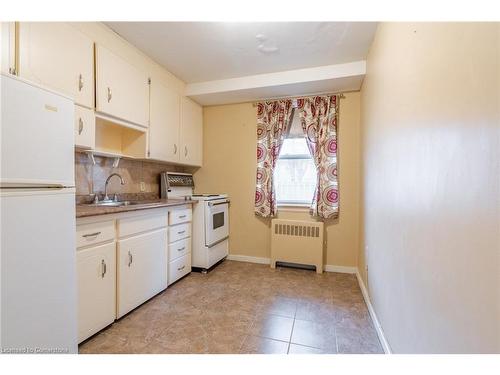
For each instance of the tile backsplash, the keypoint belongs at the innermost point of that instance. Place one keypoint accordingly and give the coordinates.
(91, 178)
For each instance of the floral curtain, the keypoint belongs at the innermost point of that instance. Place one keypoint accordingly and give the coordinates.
(318, 116)
(273, 124)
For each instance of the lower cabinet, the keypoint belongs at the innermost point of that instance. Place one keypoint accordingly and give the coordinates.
(179, 247)
(141, 269)
(127, 258)
(96, 269)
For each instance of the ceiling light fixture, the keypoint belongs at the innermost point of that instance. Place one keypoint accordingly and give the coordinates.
(267, 49)
(260, 37)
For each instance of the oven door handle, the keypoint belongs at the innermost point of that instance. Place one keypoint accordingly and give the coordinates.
(218, 203)
(218, 242)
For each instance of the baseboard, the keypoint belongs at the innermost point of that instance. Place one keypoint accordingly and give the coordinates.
(259, 260)
(340, 269)
(246, 258)
(376, 323)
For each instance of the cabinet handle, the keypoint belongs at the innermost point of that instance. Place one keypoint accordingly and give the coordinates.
(181, 232)
(182, 216)
(103, 268)
(80, 126)
(110, 95)
(175, 149)
(80, 82)
(185, 151)
(130, 258)
(92, 234)
(182, 248)
(181, 268)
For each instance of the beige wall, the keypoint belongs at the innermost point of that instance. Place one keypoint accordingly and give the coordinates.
(229, 167)
(430, 121)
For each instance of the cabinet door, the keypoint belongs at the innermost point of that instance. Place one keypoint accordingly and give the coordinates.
(8, 52)
(164, 123)
(96, 269)
(58, 56)
(122, 90)
(191, 133)
(142, 269)
(84, 128)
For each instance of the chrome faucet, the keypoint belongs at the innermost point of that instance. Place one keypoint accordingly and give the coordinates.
(106, 198)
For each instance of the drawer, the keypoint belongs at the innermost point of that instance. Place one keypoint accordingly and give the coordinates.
(178, 232)
(180, 215)
(141, 223)
(94, 233)
(178, 268)
(218, 252)
(179, 248)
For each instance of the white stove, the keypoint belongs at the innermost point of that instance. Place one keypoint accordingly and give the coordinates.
(208, 197)
(210, 219)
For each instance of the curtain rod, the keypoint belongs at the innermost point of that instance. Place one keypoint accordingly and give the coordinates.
(340, 94)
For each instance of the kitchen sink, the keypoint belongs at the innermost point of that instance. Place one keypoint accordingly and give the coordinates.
(114, 203)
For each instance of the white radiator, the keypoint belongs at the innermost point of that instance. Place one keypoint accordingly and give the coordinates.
(299, 242)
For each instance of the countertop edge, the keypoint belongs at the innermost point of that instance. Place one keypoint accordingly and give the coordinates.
(90, 211)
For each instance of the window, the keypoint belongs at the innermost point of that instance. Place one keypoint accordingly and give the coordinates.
(295, 173)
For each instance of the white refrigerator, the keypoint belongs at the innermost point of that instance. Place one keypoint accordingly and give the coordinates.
(38, 301)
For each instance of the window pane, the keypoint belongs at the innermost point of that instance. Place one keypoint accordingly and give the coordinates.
(294, 146)
(295, 179)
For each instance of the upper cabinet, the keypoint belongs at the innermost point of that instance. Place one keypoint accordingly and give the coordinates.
(191, 133)
(119, 110)
(122, 90)
(175, 127)
(84, 128)
(164, 121)
(8, 51)
(56, 55)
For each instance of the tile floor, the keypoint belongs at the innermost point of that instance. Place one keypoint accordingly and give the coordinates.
(247, 308)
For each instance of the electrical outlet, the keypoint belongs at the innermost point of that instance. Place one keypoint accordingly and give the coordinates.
(142, 186)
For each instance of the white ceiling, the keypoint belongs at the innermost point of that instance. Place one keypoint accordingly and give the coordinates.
(206, 51)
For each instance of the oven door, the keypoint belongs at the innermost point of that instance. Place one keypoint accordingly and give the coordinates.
(216, 221)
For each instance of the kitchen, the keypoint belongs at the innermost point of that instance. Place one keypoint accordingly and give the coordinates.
(151, 204)
(114, 213)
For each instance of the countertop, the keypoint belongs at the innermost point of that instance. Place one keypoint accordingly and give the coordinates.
(84, 210)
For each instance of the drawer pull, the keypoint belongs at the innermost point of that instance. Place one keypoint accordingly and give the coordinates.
(181, 268)
(181, 232)
(103, 268)
(130, 258)
(95, 234)
(182, 216)
(182, 248)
